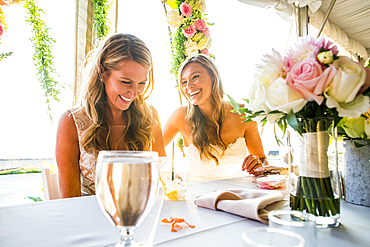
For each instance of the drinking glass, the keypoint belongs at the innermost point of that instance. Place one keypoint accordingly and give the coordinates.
(295, 221)
(271, 237)
(174, 175)
(126, 189)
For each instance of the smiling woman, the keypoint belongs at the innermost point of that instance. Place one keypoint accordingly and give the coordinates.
(112, 115)
(27, 131)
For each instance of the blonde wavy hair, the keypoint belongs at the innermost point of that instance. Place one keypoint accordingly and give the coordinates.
(139, 116)
(204, 131)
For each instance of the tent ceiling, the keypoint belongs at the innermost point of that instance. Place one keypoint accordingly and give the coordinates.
(350, 16)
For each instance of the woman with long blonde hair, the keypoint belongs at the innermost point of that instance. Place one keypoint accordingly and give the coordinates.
(113, 114)
(216, 138)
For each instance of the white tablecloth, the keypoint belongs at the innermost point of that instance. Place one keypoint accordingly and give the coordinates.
(80, 222)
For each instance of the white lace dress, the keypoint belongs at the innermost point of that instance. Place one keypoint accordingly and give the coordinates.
(230, 164)
(87, 159)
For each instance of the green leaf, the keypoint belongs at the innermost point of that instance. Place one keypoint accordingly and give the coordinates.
(233, 103)
(35, 199)
(5, 55)
(292, 120)
(358, 145)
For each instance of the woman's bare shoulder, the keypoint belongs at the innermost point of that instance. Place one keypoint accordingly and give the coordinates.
(180, 112)
(67, 121)
(237, 118)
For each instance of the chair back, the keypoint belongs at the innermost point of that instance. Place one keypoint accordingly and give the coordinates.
(51, 184)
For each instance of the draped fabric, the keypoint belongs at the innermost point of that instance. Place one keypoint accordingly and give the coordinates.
(84, 34)
(339, 35)
(84, 21)
(347, 25)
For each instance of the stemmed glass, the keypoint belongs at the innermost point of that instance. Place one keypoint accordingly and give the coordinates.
(126, 189)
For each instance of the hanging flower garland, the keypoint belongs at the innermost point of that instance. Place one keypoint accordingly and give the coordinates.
(3, 25)
(101, 20)
(43, 57)
(192, 35)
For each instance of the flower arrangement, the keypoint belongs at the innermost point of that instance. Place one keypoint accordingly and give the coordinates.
(192, 35)
(310, 89)
(310, 81)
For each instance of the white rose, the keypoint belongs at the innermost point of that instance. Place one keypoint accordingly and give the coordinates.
(191, 48)
(352, 109)
(175, 19)
(257, 96)
(209, 43)
(281, 97)
(203, 43)
(342, 90)
(203, 6)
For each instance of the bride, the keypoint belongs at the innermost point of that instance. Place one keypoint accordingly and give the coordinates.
(220, 143)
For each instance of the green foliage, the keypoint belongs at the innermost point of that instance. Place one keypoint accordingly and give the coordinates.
(20, 171)
(180, 142)
(174, 4)
(5, 55)
(35, 199)
(367, 64)
(310, 111)
(178, 51)
(43, 58)
(101, 21)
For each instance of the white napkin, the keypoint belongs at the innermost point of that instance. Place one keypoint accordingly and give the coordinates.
(249, 203)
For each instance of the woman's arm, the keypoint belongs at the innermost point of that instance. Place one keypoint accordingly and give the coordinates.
(67, 156)
(253, 141)
(173, 124)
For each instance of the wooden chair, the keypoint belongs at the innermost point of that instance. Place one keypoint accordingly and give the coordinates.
(51, 184)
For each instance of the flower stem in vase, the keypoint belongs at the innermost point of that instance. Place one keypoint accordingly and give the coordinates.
(312, 185)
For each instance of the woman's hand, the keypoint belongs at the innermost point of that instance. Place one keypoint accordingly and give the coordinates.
(254, 165)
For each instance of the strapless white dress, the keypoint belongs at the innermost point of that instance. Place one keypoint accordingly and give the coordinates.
(230, 164)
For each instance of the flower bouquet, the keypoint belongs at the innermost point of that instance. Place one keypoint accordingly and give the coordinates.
(310, 90)
(192, 35)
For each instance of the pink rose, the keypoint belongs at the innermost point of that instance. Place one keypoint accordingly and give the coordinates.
(2, 30)
(206, 32)
(200, 25)
(189, 32)
(186, 9)
(3, 3)
(308, 78)
(205, 52)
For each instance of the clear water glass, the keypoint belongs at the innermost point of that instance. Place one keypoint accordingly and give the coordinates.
(174, 175)
(271, 237)
(295, 221)
(126, 189)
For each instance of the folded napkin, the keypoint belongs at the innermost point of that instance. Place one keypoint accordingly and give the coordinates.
(249, 203)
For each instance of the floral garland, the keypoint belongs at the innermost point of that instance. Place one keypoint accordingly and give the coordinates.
(3, 25)
(43, 57)
(101, 21)
(192, 34)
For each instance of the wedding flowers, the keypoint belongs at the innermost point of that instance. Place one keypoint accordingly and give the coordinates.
(174, 19)
(355, 128)
(310, 81)
(2, 23)
(307, 89)
(192, 35)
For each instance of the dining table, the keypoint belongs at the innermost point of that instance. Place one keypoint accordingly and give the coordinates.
(80, 221)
